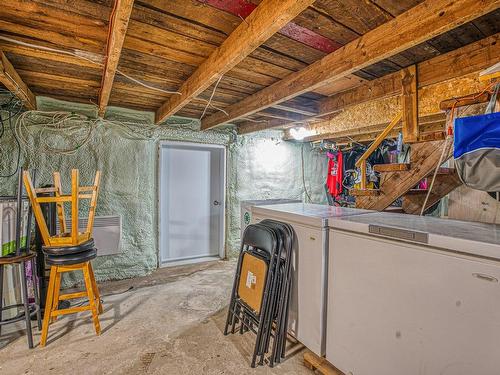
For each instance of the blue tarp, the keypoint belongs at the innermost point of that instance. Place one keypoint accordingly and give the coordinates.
(477, 151)
(476, 132)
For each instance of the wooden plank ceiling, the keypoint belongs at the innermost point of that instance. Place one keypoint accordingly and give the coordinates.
(167, 41)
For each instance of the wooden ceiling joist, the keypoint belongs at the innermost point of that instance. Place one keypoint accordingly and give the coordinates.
(421, 23)
(466, 60)
(429, 123)
(117, 30)
(308, 110)
(247, 127)
(460, 62)
(13, 82)
(269, 17)
(292, 30)
(283, 115)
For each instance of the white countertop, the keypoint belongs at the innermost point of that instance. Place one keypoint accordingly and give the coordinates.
(462, 236)
(306, 213)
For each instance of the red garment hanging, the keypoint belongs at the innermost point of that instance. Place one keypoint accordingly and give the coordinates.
(334, 177)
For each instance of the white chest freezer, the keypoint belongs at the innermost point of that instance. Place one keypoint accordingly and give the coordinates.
(413, 295)
(247, 205)
(307, 317)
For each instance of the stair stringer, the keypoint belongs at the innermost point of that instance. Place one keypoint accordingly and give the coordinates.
(393, 185)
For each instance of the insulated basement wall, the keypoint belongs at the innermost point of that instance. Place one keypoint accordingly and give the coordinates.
(126, 151)
(265, 167)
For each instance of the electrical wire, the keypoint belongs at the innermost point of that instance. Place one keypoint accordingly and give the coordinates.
(39, 128)
(211, 97)
(64, 122)
(100, 64)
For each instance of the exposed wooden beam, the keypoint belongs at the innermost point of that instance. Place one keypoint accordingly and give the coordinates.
(292, 30)
(379, 88)
(421, 23)
(410, 104)
(369, 138)
(254, 126)
(13, 82)
(426, 123)
(309, 109)
(469, 59)
(269, 17)
(282, 115)
(460, 62)
(117, 30)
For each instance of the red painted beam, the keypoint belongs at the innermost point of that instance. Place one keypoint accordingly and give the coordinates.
(309, 38)
(240, 8)
(243, 8)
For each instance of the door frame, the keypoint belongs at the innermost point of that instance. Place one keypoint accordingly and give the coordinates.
(223, 168)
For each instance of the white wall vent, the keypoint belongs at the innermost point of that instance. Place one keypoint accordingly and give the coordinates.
(107, 233)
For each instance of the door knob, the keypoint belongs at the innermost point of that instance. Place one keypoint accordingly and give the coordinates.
(216, 203)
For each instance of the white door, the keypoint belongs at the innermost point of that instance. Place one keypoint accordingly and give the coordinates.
(192, 184)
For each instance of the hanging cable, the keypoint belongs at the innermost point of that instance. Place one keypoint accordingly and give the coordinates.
(211, 97)
(35, 130)
(100, 64)
(53, 121)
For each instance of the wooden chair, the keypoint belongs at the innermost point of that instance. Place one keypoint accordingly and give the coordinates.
(71, 249)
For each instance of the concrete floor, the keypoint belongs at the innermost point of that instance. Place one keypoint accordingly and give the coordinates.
(170, 322)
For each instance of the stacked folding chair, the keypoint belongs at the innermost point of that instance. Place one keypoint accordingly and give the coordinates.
(262, 288)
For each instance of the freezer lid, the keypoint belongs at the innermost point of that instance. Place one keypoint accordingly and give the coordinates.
(468, 237)
(266, 202)
(306, 213)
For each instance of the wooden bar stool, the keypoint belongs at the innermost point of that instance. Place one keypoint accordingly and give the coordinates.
(71, 250)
